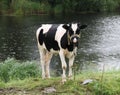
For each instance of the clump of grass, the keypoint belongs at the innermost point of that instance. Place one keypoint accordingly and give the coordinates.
(108, 85)
(12, 69)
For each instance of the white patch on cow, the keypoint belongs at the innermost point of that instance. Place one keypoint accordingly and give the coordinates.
(74, 40)
(74, 27)
(46, 27)
(59, 34)
(54, 51)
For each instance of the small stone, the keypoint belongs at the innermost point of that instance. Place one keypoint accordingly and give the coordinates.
(49, 90)
(87, 81)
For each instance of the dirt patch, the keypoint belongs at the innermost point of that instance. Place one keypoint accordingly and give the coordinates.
(14, 91)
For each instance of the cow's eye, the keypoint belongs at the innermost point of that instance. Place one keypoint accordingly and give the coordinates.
(71, 33)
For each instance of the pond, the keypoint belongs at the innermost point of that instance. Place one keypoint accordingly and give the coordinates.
(99, 44)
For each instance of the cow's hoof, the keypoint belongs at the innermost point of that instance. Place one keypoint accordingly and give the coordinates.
(43, 77)
(70, 77)
(48, 77)
(63, 81)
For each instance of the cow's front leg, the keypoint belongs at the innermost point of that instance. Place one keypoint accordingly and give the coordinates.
(71, 60)
(64, 66)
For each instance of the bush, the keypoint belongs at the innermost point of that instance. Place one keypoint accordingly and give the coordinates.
(111, 5)
(5, 68)
(96, 5)
(12, 69)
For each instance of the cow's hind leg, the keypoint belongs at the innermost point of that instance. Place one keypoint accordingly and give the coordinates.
(42, 61)
(48, 57)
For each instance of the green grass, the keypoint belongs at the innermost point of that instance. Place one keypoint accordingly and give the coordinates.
(109, 85)
(29, 83)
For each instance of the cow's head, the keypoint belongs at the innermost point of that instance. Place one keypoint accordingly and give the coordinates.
(73, 32)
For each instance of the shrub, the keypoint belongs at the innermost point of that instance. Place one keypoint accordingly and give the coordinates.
(12, 69)
(5, 69)
(23, 70)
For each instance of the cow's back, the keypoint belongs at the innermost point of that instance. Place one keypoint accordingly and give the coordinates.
(49, 36)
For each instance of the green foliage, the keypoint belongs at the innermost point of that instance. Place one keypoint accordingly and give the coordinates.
(58, 8)
(4, 4)
(5, 68)
(29, 7)
(23, 7)
(91, 5)
(12, 69)
(111, 5)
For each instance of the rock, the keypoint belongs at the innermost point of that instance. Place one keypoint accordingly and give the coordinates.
(87, 81)
(49, 90)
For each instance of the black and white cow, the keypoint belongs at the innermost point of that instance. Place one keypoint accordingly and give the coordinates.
(61, 39)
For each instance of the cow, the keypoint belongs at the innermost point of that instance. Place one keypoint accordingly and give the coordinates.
(59, 39)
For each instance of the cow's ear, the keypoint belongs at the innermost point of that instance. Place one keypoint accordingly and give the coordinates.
(82, 26)
(65, 26)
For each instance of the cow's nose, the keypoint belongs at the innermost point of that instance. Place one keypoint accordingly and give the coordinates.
(75, 40)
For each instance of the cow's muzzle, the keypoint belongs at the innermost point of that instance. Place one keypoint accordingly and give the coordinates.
(73, 39)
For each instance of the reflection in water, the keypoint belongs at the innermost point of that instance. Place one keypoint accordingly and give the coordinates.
(17, 38)
(99, 43)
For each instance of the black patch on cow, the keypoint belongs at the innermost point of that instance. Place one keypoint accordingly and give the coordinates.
(78, 31)
(41, 37)
(49, 38)
(64, 43)
(71, 32)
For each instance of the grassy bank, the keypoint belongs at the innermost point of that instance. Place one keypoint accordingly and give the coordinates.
(26, 81)
(109, 85)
